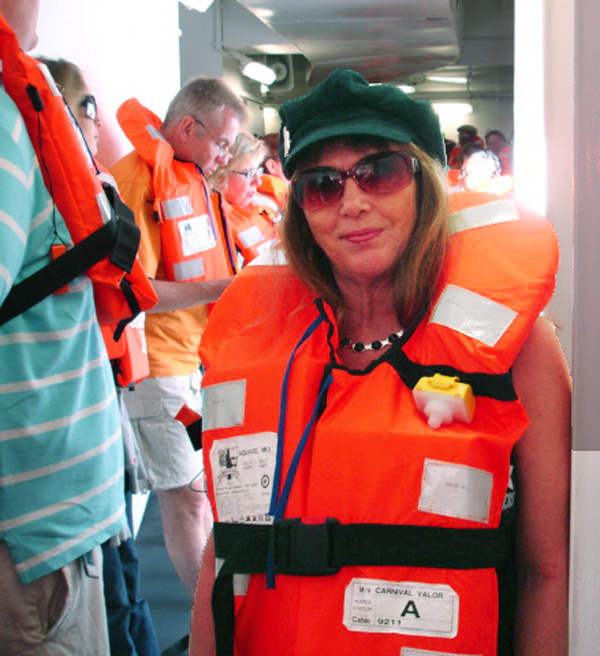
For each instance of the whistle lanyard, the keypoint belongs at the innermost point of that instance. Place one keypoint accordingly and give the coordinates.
(279, 502)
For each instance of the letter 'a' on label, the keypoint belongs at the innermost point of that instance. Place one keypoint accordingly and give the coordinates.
(421, 609)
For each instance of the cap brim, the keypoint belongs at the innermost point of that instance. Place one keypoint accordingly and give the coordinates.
(353, 128)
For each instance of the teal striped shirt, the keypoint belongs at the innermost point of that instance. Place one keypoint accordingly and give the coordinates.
(61, 452)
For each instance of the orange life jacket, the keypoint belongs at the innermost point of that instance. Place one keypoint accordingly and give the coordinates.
(271, 192)
(196, 244)
(253, 232)
(121, 287)
(128, 353)
(416, 550)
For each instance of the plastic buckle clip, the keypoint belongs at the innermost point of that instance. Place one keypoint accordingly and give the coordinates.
(303, 546)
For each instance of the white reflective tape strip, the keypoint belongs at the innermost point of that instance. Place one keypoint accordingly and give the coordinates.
(189, 270)
(455, 490)
(49, 79)
(472, 315)
(411, 651)
(498, 211)
(104, 207)
(250, 236)
(241, 583)
(224, 405)
(271, 257)
(154, 133)
(175, 208)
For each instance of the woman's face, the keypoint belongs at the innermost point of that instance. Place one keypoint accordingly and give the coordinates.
(363, 234)
(89, 126)
(242, 181)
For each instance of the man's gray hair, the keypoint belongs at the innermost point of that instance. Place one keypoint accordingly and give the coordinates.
(201, 97)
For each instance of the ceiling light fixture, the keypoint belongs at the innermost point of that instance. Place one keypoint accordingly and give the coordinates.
(256, 71)
(198, 5)
(447, 79)
(452, 109)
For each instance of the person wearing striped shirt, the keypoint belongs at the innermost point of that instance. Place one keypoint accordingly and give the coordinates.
(61, 452)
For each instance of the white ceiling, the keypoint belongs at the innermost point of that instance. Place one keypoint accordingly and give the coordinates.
(386, 40)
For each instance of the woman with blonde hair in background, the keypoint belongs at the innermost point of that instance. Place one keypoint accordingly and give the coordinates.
(236, 183)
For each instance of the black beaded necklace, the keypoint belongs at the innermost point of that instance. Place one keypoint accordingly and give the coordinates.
(359, 347)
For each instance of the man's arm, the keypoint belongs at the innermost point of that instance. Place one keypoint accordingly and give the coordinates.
(181, 295)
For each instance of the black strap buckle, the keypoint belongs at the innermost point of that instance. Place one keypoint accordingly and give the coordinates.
(303, 547)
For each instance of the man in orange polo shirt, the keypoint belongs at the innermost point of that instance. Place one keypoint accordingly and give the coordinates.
(186, 251)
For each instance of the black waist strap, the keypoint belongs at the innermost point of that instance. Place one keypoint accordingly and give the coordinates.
(322, 548)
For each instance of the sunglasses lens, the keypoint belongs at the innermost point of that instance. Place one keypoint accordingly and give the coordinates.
(376, 174)
(319, 187)
(89, 107)
(381, 174)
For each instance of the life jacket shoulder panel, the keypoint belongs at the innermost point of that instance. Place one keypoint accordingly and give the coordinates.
(121, 287)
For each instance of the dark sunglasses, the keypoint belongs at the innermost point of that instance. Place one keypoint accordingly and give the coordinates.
(381, 173)
(89, 107)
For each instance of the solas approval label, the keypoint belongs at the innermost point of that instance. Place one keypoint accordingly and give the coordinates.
(242, 470)
(405, 607)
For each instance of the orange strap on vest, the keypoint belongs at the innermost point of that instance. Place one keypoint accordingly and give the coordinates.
(196, 243)
(121, 288)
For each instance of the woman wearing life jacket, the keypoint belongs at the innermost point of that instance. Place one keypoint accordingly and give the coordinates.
(386, 417)
(253, 230)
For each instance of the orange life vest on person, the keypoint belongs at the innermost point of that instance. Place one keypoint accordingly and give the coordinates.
(253, 232)
(128, 353)
(414, 553)
(272, 194)
(196, 244)
(121, 288)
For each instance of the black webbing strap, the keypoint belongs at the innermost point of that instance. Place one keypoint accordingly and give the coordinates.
(119, 238)
(322, 549)
(495, 386)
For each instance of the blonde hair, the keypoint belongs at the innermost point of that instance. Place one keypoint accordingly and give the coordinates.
(246, 149)
(419, 268)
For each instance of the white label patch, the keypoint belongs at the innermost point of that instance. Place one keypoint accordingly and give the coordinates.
(456, 491)
(407, 608)
(242, 469)
(196, 235)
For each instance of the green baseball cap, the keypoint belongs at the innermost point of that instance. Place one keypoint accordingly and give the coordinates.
(345, 104)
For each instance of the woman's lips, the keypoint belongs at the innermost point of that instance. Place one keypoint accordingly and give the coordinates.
(362, 236)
